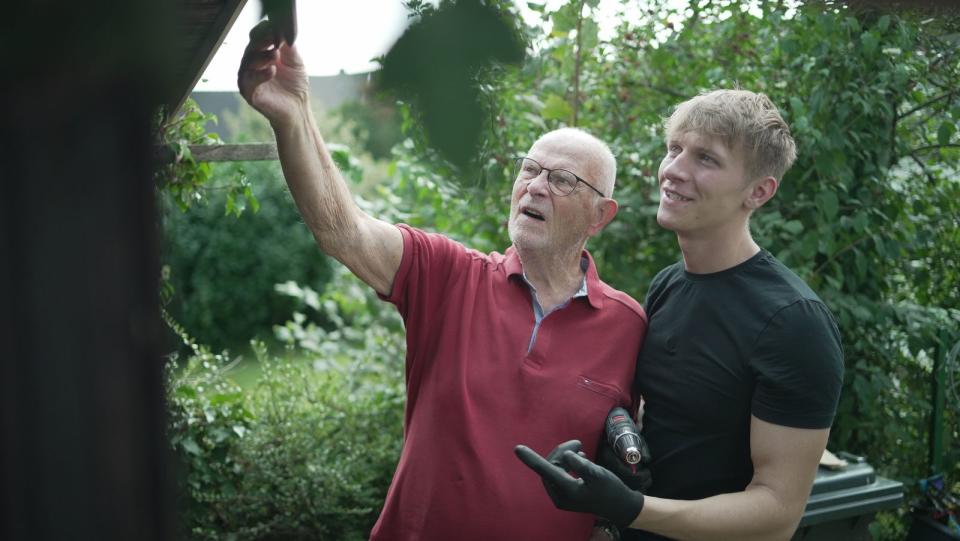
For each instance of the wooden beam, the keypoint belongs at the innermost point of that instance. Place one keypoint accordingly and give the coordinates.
(247, 152)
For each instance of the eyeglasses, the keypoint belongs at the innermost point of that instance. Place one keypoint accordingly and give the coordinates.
(560, 181)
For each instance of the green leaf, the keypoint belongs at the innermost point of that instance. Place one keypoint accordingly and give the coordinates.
(589, 32)
(186, 391)
(861, 313)
(190, 446)
(946, 131)
(231, 205)
(225, 398)
(794, 227)
(556, 108)
(251, 199)
(883, 23)
(565, 18)
(860, 261)
(860, 221)
(836, 282)
(870, 41)
(828, 203)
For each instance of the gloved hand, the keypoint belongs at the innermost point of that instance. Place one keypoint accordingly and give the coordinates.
(636, 476)
(598, 491)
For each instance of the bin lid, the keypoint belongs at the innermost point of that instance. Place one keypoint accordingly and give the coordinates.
(853, 475)
(860, 491)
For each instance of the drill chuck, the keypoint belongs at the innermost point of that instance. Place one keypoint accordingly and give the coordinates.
(623, 436)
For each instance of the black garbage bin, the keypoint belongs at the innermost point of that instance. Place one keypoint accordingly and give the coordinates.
(843, 503)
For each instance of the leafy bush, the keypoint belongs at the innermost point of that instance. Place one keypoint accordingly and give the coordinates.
(310, 451)
(183, 180)
(224, 268)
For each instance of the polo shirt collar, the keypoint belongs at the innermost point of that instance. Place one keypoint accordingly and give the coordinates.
(513, 266)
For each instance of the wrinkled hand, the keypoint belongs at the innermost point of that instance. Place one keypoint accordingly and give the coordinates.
(272, 77)
(637, 477)
(597, 491)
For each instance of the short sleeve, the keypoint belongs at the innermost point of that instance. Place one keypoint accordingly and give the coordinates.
(421, 284)
(798, 363)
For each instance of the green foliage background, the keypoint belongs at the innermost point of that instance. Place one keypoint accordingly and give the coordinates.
(869, 216)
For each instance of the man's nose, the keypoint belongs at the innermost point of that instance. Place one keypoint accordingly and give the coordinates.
(539, 185)
(676, 168)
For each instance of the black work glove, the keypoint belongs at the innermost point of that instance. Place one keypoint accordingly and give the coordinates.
(636, 476)
(598, 491)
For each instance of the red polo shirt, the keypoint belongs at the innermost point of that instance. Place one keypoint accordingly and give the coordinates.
(474, 392)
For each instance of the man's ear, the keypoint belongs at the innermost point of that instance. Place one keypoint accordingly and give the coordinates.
(761, 192)
(606, 210)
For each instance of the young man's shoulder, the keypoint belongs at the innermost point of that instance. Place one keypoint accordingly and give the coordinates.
(667, 274)
(783, 280)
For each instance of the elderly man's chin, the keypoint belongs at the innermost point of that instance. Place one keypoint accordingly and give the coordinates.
(524, 239)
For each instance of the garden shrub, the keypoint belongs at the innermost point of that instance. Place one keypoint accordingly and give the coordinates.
(310, 451)
(224, 268)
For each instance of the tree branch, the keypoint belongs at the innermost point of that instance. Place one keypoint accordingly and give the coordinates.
(923, 168)
(930, 147)
(928, 103)
(837, 254)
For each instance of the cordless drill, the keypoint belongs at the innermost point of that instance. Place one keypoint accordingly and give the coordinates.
(623, 435)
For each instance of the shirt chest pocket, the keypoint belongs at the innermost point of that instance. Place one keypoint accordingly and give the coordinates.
(585, 406)
(608, 390)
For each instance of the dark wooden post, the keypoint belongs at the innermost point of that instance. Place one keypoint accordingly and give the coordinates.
(82, 445)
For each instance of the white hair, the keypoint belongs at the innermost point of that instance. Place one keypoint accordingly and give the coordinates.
(601, 157)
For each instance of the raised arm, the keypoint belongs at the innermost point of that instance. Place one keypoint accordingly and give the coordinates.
(272, 79)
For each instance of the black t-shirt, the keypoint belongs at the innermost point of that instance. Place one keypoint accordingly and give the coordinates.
(750, 340)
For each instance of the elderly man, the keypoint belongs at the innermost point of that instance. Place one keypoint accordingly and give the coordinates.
(742, 369)
(526, 344)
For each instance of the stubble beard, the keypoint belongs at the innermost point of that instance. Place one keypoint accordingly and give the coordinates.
(525, 240)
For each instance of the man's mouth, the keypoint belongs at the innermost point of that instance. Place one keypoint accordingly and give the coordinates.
(674, 196)
(533, 214)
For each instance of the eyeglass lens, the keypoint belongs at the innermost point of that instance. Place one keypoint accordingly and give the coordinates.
(561, 182)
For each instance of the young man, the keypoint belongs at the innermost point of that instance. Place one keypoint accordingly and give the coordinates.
(742, 368)
(528, 343)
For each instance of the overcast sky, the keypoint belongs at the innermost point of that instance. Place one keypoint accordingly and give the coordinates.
(333, 35)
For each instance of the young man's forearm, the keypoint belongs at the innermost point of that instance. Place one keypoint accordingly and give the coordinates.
(755, 514)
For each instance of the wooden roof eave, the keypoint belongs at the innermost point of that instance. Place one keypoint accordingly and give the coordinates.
(213, 31)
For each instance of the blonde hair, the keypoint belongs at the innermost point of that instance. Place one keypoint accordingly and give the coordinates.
(743, 120)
